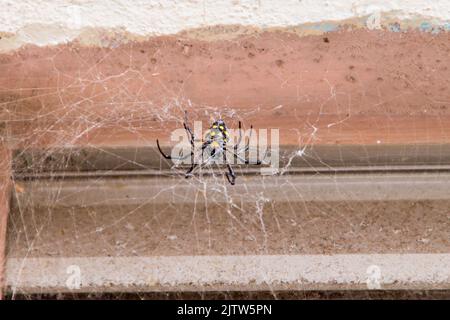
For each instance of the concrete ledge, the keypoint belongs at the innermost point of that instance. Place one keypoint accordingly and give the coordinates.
(249, 272)
(324, 158)
(138, 191)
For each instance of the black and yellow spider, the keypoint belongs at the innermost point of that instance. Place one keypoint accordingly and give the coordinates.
(214, 146)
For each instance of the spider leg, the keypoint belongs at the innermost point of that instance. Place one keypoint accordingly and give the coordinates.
(240, 136)
(247, 147)
(170, 157)
(189, 131)
(195, 165)
(191, 140)
(231, 177)
(258, 162)
(204, 145)
(189, 172)
(162, 153)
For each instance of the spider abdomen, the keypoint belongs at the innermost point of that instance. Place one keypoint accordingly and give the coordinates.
(217, 138)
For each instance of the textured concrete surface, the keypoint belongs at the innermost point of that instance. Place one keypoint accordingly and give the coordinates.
(99, 191)
(260, 272)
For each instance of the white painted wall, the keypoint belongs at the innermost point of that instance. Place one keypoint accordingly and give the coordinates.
(53, 21)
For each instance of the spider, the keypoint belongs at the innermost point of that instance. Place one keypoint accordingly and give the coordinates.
(214, 146)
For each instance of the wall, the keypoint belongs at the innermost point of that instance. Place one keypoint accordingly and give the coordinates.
(45, 22)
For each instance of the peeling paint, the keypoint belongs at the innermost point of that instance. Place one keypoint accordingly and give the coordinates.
(45, 22)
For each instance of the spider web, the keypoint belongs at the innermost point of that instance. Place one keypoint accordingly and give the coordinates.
(89, 183)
